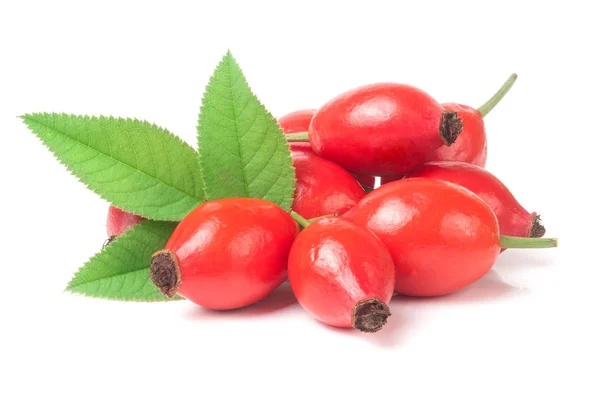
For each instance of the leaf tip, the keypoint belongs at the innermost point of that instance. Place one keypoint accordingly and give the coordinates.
(25, 117)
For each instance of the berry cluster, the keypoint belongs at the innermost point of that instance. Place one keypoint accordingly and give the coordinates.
(436, 224)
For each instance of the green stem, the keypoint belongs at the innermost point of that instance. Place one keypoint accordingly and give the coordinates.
(300, 219)
(513, 242)
(495, 99)
(297, 137)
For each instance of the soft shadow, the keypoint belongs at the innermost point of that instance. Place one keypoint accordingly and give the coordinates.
(523, 257)
(280, 299)
(406, 318)
(489, 288)
(402, 324)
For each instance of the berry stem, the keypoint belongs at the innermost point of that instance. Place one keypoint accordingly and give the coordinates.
(513, 242)
(495, 99)
(300, 219)
(297, 137)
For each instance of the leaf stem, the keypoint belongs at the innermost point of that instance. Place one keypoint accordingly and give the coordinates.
(513, 242)
(495, 99)
(300, 219)
(297, 137)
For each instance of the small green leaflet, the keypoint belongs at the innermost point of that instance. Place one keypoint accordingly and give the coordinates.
(121, 270)
(135, 165)
(243, 152)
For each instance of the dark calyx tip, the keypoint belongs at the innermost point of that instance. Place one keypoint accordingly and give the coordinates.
(450, 127)
(370, 315)
(537, 229)
(109, 241)
(165, 272)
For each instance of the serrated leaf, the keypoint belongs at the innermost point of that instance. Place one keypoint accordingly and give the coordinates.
(121, 270)
(243, 152)
(135, 165)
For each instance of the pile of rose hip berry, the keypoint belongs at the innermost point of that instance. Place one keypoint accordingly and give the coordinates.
(435, 225)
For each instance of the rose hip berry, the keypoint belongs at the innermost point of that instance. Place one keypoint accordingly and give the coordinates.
(118, 221)
(513, 219)
(381, 129)
(323, 187)
(342, 274)
(299, 121)
(471, 145)
(294, 122)
(441, 236)
(226, 253)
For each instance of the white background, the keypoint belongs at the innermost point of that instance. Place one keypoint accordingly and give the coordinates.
(527, 330)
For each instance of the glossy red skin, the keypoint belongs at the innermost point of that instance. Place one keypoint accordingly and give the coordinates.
(323, 187)
(513, 219)
(232, 252)
(299, 121)
(333, 265)
(471, 145)
(294, 122)
(118, 221)
(381, 129)
(441, 236)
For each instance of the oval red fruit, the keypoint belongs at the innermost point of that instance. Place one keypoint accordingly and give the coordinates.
(323, 187)
(441, 236)
(118, 221)
(471, 145)
(294, 122)
(382, 129)
(513, 219)
(226, 253)
(299, 121)
(342, 274)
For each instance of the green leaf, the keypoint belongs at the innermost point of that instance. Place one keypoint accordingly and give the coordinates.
(121, 270)
(135, 165)
(243, 152)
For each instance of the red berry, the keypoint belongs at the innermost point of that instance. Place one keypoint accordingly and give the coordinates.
(294, 122)
(513, 219)
(118, 221)
(471, 145)
(441, 236)
(226, 253)
(382, 129)
(342, 274)
(299, 121)
(323, 187)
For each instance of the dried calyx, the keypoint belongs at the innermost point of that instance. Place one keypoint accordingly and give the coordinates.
(537, 229)
(165, 272)
(370, 315)
(450, 127)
